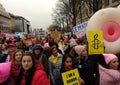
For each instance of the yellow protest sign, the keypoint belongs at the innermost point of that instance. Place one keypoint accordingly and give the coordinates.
(95, 42)
(71, 77)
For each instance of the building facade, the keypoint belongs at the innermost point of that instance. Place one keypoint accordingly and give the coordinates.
(4, 20)
(20, 24)
(87, 13)
(12, 23)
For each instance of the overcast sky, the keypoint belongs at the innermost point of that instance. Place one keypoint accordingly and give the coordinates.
(38, 12)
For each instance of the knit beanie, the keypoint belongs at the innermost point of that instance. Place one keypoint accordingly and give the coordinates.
(109, 57)
(12, 44)
(79, 49)
(4, 71)
(66, 40)
(73, 43)
(38, 47)
(46, 45)
(72, 40)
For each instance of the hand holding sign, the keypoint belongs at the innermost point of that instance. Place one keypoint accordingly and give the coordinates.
(72, 78)
(82, 82)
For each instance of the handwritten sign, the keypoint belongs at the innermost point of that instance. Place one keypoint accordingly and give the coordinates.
(95, 42)
(80, 30)
(71, 77)
(55, 34)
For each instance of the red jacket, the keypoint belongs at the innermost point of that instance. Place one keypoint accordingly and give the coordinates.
(40, 77)
(14, 71)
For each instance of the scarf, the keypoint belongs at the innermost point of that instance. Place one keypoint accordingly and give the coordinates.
(54, 59)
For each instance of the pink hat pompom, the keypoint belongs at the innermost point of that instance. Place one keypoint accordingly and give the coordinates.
(109, 57)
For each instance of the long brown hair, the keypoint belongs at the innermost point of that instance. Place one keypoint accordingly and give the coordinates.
(30, 72)
(18, 50)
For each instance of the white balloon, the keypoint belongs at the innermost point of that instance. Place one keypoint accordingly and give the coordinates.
(99, 19)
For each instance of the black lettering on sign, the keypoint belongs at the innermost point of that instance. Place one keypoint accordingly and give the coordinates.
(73, 74)
(96, 42)
(68, 81)
(66, 76)
(70, 74)
(71, 80)
(76, 83)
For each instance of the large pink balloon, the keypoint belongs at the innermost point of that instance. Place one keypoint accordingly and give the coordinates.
(4, 71)
(111, 31)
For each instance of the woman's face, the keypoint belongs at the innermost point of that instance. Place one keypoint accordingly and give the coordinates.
(114, 64)
(84, 54)
(18, 56)
(37, 51)
(27, 62)
(3, 46)
(11, 49)
(68, 63)
(55, 51)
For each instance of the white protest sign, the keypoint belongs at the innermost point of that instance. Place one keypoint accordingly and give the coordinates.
(80, 30)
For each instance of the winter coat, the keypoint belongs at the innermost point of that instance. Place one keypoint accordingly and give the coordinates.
(87, 72)
(54, 69)
(14, 71)
(3, 57)
(41, 58)
(109, 76)
(39, 78)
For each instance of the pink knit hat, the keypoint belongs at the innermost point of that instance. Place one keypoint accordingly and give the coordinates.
(79, 49)
(109, 57)
(73, 43)
(46, 45)
(12, 44)
(66, 40)
(72, 40)
(4, 71)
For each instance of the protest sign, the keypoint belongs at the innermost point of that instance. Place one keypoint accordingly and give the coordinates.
(71, 77)
(95, 42)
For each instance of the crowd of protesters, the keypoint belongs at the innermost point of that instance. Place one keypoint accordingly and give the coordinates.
(41, 62)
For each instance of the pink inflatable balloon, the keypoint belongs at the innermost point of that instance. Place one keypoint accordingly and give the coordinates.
(111, 31)
(4, 71)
